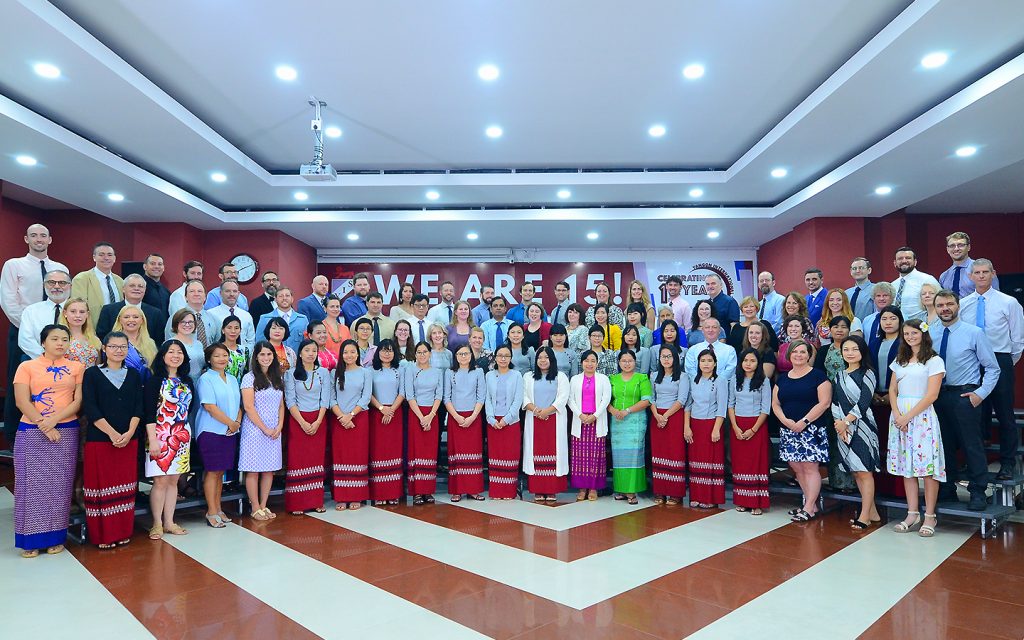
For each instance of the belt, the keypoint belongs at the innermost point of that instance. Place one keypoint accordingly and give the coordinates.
(960, 387)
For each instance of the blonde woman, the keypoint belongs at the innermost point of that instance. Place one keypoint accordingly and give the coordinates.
(141, 348)
(85, 346)
(638, 293)
(836, 304)
(928, 313)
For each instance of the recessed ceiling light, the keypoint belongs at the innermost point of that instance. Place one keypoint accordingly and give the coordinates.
(27, 161)
(493, 131)
(780, 172)
(696, 192)
(564, 193)
(883, 190)
(579, 264)
(488, 72)
(472, 235)
(593, 235)
(301, 196)
(966, 152)
(284, 72)
(353, 236)
(713, 234)
(333, 132)
(934, 60)
(433, 195)
(46, 70)
(115, 197)
(217, 176)
(693, 71)
(656, 131)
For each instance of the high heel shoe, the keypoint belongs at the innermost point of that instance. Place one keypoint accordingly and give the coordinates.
(927, 531)
(904, 527)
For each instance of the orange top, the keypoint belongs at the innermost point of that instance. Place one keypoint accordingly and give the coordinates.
(335, 338)
(51, 382)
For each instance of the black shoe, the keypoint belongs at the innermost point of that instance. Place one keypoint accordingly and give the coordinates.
(1005, 473)
(978, 502)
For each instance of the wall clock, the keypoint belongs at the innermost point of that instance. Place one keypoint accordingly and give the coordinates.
(247, 267)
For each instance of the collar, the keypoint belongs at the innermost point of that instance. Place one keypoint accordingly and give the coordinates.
(815, 294)
(102, 277)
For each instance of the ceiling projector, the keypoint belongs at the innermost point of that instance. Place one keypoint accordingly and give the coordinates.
(318, 173)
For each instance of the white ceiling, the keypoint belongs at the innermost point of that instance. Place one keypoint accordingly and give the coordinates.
(155, 95)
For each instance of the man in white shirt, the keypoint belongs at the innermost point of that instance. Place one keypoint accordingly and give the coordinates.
(195, 296)
(680, 307)
(443, 312)
(21, 284)
(227, 272)
(419, 322)
(860, 293)
(770, 310)
(229, 306)
(1002, 319)
(725, 354)
(98, 286)
(193, 270)
(557, 315)
(908, 285)
(40, 314)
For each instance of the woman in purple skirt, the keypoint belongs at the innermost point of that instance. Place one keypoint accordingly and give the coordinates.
(589, 395)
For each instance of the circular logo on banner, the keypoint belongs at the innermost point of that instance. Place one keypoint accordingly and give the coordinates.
(719, 271)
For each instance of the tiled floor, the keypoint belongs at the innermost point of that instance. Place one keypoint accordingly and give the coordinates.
(453, 571)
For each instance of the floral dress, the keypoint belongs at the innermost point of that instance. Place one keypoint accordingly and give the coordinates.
(917, 452)
(82, 351)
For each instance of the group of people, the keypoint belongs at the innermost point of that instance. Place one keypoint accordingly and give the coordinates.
(273, 385)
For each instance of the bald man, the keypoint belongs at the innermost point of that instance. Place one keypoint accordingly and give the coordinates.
(313, 306)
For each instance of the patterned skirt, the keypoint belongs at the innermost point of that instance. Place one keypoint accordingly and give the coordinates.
(749, 466)
(707, 464)
(304, 479)
(668, 457)
(916, 452)
(43, 475)
(350, 459)
(386, 456)
(627, 437)
(588, 460)
(544, 480)
(465, 456)
(110, 482)
(422, 454)
(504, 451)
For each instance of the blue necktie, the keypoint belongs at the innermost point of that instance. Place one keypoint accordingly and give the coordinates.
(981, 313)
(873, 337)
(956, 280)
(498, 337)
(943, 344)
(853, 301)
(423, 337)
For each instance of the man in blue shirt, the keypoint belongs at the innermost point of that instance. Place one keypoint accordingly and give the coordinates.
(860, 294)
(957, 277)
(518, 312)
(727, 310)
(227, 272)
(816, 294)
(296, 321)
(971, 374)
(354, 306)
(496, 329)
(482, 311)
(771, 301)
(724, 354)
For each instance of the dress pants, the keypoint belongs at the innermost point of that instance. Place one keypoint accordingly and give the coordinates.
(11, 414)
(1001, 401)
(960, 426)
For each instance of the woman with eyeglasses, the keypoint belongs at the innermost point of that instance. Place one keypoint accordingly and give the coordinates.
(307, 396)
(590, 393)
(350, 435)
(670, 392)
(464, 394)
(423, 386)
(502, 404)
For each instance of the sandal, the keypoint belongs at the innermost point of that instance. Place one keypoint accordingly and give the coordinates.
(352, 506)
(905, 527)
(55, 549)
(756, 512)
(429, 499)
(259, 515)
(124, 542)
(619, 496)
(659, 499)
(30, 553)
(418, 500)
(551, 499)
(341, 506)
(104, 547)
(215, 522)
(927, 531)
(857, 525)
(176, 530)
(742, 509)
(803, 516)
(793, 512)
(456, 498)
(672, 502)
(299, 513)
(318, 510)
(394, 503)
(592, 495)
(581, 495)
(270, 514)
(633, 500)
(538, 498)
(156, 532)
(223, 517)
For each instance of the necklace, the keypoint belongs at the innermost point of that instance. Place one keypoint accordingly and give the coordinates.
(335, 336)
(311, 378)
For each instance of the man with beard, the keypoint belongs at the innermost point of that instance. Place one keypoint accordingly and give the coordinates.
(965, 350)
(771, 301)
(680, 307)
(354, 306)
(482, 311)
(227, 272)
(314, 306)
(265, 303)
(816, 294)
(157, 295)
(561, 302)
(908, 285)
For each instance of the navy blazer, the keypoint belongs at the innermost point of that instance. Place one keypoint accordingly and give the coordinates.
(312, 308)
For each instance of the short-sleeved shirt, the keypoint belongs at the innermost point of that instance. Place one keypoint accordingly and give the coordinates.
(225, 393)
(913, 377)
(51, 383)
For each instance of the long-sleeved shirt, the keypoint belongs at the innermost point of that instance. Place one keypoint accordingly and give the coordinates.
(567, 361)
(750, 404)
(386, 384)
(353, 308)
(311, 394)
(864, 305)
(358, 387)
(465, 389)
(504, 396)
(816, 304)
(909, 300)
(21, 284)
(725, 354)
(709, 398)
(481, 314)
(33, 318)
(962, 282)
(219, 313)
(422, 386)
(771, 310)
(213, 299)
(1003, 322)
(680, 310)
(967, 350)
(669, 391)
(490, 328)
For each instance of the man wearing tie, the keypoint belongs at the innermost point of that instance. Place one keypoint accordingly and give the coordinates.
(968, 356)
(482, 311)
(296, 321)
(21, 284)
(444, 312)
(496, 329)
(816, 294)
(770, 310)
(1002, 319)
(98, 286)
(882, 295)
(957, 278)
(908, 285)
(419, 322)
(383, 326)
(561, 303)
(314, 306)
(860, 293)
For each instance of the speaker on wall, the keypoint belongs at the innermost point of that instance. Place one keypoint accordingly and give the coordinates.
(128, 268)
(1012, 284)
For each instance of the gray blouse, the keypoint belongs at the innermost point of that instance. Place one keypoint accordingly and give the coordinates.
(504, 396)
(709, 398)
(441, 359)
(387, 385)
(358, 385)
(568, 362)
(544, 392)
(312, 394)
(750, 404)
(668, 391)
(115, 376)
(422, 386)
(465, 389)
(522, 363)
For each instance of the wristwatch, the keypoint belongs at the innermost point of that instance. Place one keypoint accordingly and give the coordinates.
(806, 422)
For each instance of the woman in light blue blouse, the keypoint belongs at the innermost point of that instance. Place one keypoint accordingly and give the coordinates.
(423, 386)
(522, 355)
(750, 402)
(502, 403)
(566, 359)
(307, 396)
(631, 341)
(218, 422)
(350, 434)
(464, 395)
(702, 430)
(387, 425)
(670, 392)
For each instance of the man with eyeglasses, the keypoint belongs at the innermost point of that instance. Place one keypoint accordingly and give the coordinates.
(957, 278)
(264, 304)
(21, 284)
(861, 293)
